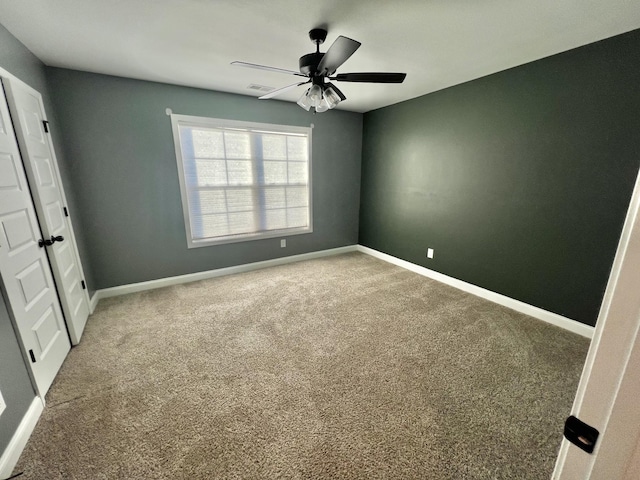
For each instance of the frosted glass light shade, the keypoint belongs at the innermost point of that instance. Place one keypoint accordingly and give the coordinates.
(315, 95)
(323, 106)
(304, 101)
(331, 97)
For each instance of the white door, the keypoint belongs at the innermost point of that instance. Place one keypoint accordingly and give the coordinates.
(24, 269)
(609, 391)
(41, 168)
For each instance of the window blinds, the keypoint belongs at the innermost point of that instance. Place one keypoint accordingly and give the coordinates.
(243, 182)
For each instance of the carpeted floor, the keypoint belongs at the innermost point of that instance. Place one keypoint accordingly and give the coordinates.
(343, 367)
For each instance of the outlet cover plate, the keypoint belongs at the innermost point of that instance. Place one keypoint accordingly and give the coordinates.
(429, 252)
(2, 404)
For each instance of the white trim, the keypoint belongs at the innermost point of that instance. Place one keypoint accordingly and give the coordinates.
(58, 178)
(12, 453)
(178, 121)
(5, 74)
(13, 83)
(93, 302)
(540, 314)
(192, 277)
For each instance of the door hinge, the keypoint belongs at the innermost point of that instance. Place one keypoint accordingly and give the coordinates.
(45, 123)
(33, 357)
(84, 285)
(66, 212)
(580, 434)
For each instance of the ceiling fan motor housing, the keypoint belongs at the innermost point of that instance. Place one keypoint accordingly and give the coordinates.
(309, 63)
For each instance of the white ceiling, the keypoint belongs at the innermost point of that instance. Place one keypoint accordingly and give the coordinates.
(438, 43)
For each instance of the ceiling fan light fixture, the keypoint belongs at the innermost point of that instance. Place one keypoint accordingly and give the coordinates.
(304, 100)
(323, 106)
(315, 95)
(331, 97)
(318, 68)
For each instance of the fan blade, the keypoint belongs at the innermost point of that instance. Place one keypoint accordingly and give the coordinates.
(337, 54)
(278, 91)
(269, 69)
(372, 77)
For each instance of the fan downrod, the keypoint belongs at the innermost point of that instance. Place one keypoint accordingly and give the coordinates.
(309, 63)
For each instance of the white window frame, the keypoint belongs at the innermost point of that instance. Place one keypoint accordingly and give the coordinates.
(206, 122)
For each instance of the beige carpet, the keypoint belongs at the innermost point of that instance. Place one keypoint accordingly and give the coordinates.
(343, 367)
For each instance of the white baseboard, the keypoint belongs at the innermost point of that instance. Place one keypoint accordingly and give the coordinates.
(19, 440)
(220, 272)
(93, 302)
(540, 314)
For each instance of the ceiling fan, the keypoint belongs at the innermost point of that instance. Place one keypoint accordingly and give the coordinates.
(320, 69)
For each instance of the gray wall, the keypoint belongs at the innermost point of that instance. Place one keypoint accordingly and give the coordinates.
(15, 385)
(14, 380)
(20, 62)
(124, 171)
(520, 181)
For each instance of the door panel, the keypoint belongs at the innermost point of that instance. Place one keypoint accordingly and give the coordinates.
(55, 218)
(46, 330)
(18, 229)
(24, 268)
(8, 176)
(39, 162)
(33, 127)
(44, 174)
(607, 396)
(33, 283)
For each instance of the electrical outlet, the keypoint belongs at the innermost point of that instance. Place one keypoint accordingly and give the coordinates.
(283, 243)
(2, 404)
(429, 252)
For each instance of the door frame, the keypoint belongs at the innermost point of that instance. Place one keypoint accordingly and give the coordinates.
(32, 303)
(609, 387)
(56, 171)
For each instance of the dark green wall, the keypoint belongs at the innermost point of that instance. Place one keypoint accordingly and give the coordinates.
(120, 145)
(520, 181)
(15, 384)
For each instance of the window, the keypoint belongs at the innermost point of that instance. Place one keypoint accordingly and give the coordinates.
(242, 181)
